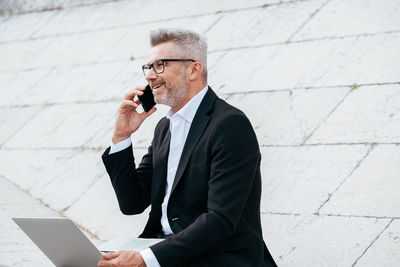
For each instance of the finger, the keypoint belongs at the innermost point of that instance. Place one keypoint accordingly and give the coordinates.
(136, 91)
(144, 115)
(110, 255)
(107, 263)
(127, 104)
(151, 111)
(103, 263)
(137, 101)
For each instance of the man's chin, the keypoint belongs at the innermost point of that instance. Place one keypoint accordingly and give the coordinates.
(158, 100)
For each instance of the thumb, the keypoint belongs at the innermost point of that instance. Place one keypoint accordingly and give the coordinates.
(144, 115)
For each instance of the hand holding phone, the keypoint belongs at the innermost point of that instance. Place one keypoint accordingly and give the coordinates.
(147, 99)
(128, 120)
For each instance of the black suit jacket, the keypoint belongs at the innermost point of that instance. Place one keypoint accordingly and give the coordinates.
(214, 207)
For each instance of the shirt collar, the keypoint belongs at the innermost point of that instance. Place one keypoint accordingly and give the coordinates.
(190, 108)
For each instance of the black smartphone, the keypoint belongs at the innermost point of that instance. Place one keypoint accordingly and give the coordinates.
(147, 99)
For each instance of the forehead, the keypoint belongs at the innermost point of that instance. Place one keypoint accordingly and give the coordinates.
(163, 50)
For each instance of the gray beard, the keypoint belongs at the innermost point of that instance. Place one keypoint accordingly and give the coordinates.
(174, 93)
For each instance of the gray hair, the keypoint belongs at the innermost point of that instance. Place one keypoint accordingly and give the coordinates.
(190, 44)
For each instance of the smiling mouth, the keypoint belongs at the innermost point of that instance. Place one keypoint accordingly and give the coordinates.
(157, 85)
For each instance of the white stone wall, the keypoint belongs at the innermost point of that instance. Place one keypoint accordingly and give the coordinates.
(319, 80)
(14, 7)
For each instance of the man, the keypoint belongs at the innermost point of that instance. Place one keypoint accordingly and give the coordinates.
(201, 174)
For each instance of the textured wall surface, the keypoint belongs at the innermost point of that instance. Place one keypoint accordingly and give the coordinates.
(319, 80)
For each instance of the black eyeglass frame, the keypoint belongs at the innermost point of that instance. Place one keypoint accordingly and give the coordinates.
(151, 66)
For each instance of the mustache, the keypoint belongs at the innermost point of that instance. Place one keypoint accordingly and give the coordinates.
(156, 83)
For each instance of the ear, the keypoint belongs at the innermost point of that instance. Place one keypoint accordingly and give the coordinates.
(195, 70)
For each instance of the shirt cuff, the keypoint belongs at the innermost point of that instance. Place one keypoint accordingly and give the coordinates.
(120, 146)
(149, 258)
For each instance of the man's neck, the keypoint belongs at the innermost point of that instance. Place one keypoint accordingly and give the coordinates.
(192, 91)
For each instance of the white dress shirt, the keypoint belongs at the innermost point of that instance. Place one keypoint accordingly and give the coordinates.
(179, 125)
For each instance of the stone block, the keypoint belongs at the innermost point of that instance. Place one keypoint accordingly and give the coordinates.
(56, 177)
(3, 19)
(71, 84)
(13, 119)
(99, 212)
(24, 26)
(6, 78)
(368, 114)
(18, 7)
(347, 18)
(319, 240)
(124, 14)
(64, 50)
(260, 26)
(16, 247)
(84, 48)
(385, 250)
(63, 126)
(210, 6)
(23, 54)
(126, 75)
(59, 51)
(348, 61)
(136, 40)
(18, 84)
(174, 10)
(372, 190)
(301, 179)
(287, 117)
(74, 20)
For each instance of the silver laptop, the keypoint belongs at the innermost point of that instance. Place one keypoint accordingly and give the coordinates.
(65, 245)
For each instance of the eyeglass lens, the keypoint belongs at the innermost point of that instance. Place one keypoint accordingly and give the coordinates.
(158, 67)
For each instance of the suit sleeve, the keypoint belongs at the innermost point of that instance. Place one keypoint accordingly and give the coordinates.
(132, 185)
(235, 159)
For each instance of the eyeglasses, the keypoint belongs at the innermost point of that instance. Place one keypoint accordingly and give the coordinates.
(158, 65)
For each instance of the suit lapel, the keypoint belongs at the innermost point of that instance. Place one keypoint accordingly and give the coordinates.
(197, 128)
(160, 168)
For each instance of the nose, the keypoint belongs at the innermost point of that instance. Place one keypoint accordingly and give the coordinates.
(151, 75)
